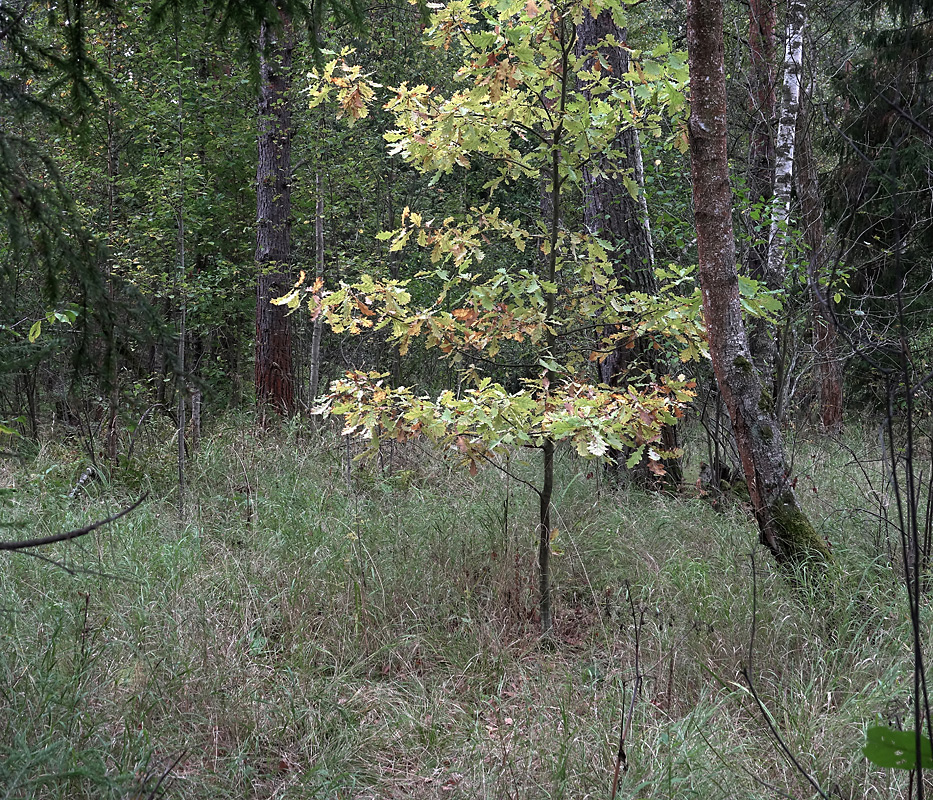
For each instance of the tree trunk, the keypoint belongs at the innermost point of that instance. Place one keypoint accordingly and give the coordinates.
(181, 287)
(785, 529)
(762, 21)
(544, 538)
(827, 363)
(318, 273)
(610, 212)
(550, 198)
(113, 171)
(275, 386)
(766, 356)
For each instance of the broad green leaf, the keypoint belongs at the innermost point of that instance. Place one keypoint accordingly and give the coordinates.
(630, 185)
(35, 331)
(632, 461)
(893, 749)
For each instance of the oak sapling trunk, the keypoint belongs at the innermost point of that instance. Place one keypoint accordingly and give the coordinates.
(785, 529)
(544, 540)
(551, 207)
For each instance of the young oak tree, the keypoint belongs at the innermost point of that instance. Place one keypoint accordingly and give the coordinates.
(540, 111)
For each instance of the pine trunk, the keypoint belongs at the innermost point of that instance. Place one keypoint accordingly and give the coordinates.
(784, 528)
(318, 273)
(275, 386)
(610, 212)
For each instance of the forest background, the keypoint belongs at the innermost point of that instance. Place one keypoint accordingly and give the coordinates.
(591, 327)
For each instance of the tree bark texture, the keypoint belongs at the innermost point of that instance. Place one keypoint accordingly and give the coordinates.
(318, 273)
(610, 212)
(827, 362)
(762, 20)
(609, 208)
(784, 528)
(274, 374)
(181, 288)
(766, 352)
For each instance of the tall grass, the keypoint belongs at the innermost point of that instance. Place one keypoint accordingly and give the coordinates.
(317, 632)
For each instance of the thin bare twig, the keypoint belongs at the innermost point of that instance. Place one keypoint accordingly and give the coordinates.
(69, 535)
(746, 673)
(168, 770)
(621, 757)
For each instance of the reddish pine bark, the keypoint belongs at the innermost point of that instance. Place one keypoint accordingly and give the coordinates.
(274, 375)
(784, 528)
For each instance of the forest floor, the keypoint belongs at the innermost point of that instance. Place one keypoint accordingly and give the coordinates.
(312, 631)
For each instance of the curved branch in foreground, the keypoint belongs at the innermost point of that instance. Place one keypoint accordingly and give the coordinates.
(25, 544)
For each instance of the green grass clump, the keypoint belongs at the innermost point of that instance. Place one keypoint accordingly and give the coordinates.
(309, 630)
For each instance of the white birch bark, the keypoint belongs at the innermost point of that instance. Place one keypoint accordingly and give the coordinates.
(784, 146)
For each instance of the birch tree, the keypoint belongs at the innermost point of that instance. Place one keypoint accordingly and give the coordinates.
(776, 268)
(785, 529)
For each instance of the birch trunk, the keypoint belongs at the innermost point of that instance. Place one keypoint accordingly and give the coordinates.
(784, 528)
(766, 355)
